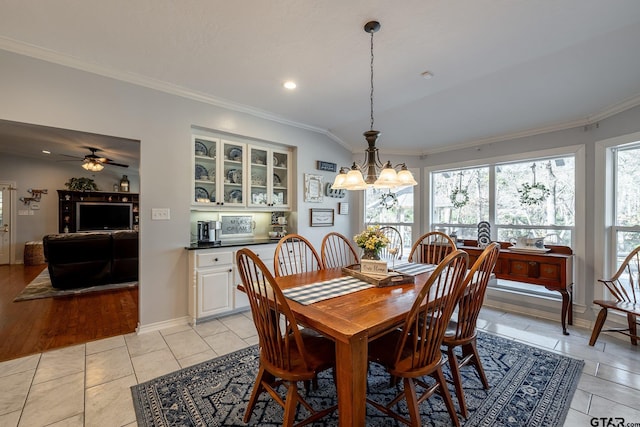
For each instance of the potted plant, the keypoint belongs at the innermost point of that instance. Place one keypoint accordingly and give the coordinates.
(81, 184)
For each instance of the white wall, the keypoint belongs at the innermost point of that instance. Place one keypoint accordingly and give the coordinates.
(38, 92)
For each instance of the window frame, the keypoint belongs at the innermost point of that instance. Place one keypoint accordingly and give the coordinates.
(579, 248)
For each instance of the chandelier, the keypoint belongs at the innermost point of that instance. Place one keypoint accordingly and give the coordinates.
(92, 165)
(353, 178)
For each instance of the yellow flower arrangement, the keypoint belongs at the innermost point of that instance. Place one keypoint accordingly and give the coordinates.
(371, 239)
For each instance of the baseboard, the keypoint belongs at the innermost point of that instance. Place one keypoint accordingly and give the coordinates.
(165, 324)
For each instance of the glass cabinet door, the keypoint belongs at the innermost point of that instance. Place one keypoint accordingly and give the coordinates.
(205, 170)
(233, 179)
(280, 179)
(258, 173)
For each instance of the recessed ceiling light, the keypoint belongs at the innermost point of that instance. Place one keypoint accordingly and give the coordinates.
(46, 151)
(290, 85)
(427, 75)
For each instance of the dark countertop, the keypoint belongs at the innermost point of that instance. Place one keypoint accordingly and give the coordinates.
(232, 243)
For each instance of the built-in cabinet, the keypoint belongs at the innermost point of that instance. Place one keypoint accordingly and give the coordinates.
(229, 174)
(213, 281)
(68, 206)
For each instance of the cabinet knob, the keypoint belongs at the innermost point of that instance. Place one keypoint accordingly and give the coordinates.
(215, 259)
(230, 270)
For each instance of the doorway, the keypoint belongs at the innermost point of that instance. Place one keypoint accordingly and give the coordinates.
(7, 220)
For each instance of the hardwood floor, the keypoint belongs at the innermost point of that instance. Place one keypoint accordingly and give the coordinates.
(34, 326)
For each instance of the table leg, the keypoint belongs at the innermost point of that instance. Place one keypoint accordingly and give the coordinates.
(351, 377)
(566, 305)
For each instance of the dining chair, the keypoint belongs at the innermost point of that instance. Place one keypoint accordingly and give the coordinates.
(337, 251)
(624, 288)
(295, 254)
(395, 241)
(413, 351)
(462, 332)
(288, 354)
(431, 248)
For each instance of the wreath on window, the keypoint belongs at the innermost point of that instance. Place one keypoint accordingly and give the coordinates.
(533, 194)
(459, 197)
(388, 200)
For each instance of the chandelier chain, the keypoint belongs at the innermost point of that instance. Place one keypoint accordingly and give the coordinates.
(371, 93)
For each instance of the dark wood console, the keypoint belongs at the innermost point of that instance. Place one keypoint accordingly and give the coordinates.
(553, 270)
(67, 201)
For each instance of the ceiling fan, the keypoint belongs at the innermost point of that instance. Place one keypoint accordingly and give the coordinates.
(94, 163)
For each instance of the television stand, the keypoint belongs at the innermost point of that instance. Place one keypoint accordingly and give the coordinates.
(67, 206)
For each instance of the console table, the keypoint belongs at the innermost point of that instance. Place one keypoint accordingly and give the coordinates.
(553, 270)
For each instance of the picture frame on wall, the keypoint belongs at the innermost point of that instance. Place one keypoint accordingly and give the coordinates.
(343, 208)
(313, 188)
(322, 217)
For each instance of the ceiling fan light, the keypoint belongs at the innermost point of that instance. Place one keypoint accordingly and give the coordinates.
(93, 166)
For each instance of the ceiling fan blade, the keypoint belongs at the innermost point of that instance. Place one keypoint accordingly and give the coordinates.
(109, 162)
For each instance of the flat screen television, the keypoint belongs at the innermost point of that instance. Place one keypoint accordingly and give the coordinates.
(98, 216)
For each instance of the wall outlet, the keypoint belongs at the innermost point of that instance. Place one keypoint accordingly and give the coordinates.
(160, 214)
(22, 212)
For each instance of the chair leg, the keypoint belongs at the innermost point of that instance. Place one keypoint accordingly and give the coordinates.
(257, 390)
(457, 380)
(446, 396)
(290, 404)
(412, 401)
(633, 330)
(602, 316)
(472, 348)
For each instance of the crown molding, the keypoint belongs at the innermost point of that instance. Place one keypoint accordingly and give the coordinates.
(52, 56)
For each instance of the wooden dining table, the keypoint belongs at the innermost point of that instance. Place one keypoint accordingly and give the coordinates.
(352, 321)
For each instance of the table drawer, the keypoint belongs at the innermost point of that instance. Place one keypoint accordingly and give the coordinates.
(213, 259)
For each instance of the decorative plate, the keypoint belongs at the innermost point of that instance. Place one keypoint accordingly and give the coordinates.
(201, 171)
(201, 149)
(201, 194)
(275, 161)
(234, 176)
(276, 179)
(235, 154)
(235, 194)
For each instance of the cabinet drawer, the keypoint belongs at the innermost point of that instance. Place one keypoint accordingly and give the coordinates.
(212, 259)
(265, 253)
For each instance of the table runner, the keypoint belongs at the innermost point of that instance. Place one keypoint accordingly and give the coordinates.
(413, 268)
(320, 291)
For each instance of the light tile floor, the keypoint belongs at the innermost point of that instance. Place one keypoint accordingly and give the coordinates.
(89, 384)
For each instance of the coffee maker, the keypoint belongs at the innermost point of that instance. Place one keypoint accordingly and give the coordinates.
(209, 232)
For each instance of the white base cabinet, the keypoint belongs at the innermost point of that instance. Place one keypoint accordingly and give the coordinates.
(213, 281)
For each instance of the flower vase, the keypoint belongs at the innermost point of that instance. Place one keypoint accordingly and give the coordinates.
(371, 254)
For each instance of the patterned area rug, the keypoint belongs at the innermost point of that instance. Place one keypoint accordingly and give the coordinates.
(529, 387)
(40, 287)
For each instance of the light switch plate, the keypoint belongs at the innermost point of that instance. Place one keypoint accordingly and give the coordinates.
(160, 214)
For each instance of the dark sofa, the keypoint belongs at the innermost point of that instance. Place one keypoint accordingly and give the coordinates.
(87, 259)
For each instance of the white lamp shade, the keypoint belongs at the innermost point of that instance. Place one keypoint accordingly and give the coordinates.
(405, 177)
(355, 180)
(388, 179)
(338, 183)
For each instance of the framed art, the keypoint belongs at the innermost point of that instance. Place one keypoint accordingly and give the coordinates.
(313, 188)
(343, 208)
(321, 217)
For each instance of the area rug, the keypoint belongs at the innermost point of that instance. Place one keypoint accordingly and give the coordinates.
(40, 287)
(529, 387)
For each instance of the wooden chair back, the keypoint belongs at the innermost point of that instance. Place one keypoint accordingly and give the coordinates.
(431, 248)
(276, 325)
(426, 323)
(625, 284)
(475, 287)
(337, 251)
(295, 254)
(395, 241)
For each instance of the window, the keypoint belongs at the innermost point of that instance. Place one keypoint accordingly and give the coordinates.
(395, 208)
(626, 206)
(526, 198)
